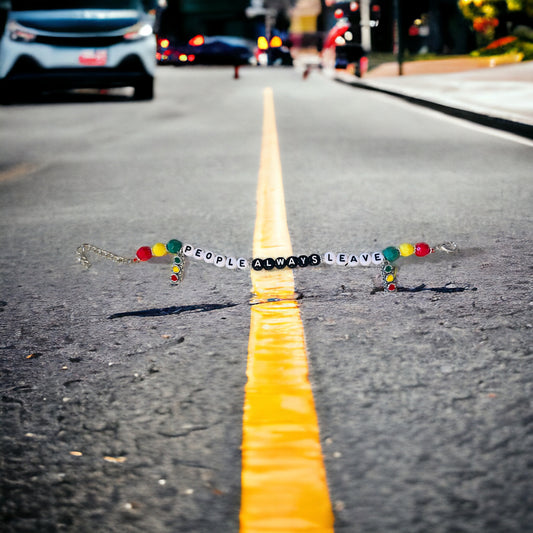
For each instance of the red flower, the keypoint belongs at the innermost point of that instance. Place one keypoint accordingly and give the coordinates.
(483, 24)
(501, 42)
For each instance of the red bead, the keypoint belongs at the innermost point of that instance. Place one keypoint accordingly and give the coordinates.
(174, 278)
(422, 249)
(391, 287)
(144, 253)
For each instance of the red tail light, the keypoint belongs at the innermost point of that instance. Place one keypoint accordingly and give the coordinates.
(197, 40)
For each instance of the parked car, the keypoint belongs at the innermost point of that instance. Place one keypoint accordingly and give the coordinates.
(273, 52)
(203, 50)
(60, 44)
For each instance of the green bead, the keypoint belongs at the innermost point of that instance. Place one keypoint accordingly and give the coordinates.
(173, 246)
(387, 268)
(391, 253)
(177, 261)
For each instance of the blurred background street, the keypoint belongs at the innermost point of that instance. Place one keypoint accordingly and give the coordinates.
(122, 397)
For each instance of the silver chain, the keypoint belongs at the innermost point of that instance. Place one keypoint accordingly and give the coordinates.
(84, 259)
(448, 247)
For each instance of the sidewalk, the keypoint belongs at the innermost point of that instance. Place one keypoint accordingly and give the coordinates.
(501, 96)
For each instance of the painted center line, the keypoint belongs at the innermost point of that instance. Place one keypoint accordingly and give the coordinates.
(284, 486)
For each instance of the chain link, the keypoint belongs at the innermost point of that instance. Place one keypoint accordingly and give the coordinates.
(448, 247)
(84, 259)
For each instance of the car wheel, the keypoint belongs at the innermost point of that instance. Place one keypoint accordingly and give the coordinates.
(144, 90)
(6, 93)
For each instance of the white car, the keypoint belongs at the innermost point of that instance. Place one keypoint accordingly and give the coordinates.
(78, 44)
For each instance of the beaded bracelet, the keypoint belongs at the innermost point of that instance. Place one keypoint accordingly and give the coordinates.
(385, 258)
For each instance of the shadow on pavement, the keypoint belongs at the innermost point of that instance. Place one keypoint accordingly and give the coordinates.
(68, 97)
(174, 310)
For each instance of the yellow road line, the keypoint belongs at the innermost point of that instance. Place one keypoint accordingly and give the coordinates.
(284, 488)
(271, 235)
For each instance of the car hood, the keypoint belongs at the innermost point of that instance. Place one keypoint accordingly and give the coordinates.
(77, 20)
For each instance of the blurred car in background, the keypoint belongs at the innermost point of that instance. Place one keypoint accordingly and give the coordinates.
(273, 52)
(341, 52)
(203, 50)
(62, 44)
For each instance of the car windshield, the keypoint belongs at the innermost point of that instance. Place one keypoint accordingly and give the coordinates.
(45, 5)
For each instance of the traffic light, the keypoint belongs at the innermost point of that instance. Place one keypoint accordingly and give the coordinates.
(375, 14)
(388, 275)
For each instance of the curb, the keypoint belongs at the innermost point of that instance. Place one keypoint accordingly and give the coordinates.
(500, 123)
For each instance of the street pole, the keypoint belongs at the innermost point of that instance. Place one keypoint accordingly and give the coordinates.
(366, 41)
(398, 38)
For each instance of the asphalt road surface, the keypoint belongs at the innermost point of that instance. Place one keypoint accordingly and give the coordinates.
(122, 396)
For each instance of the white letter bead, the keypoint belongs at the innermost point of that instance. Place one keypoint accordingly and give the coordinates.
(198, 253)
(231, 262)
(209, 257)
(365, 259)
(220, 260)
(352, 260)
(377, 258)
(242, 263)
(329, 258)
(188, 250)
(341, 259)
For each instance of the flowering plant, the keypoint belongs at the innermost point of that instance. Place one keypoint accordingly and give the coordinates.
(483, 15)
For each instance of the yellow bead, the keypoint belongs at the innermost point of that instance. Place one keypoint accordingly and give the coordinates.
(389, 278)
(406, 249)
(159, 249)
(176, 269)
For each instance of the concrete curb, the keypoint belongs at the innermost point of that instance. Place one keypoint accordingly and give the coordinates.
(478, 116)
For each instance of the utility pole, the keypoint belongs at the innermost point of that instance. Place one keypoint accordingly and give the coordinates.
(366, 40)
(398, 37)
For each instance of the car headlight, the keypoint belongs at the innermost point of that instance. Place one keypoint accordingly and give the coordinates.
(138, 31)
(19, 33)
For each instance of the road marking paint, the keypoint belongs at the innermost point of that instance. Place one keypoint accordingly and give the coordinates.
(271, 235)
(17, 171)
(284, 484)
